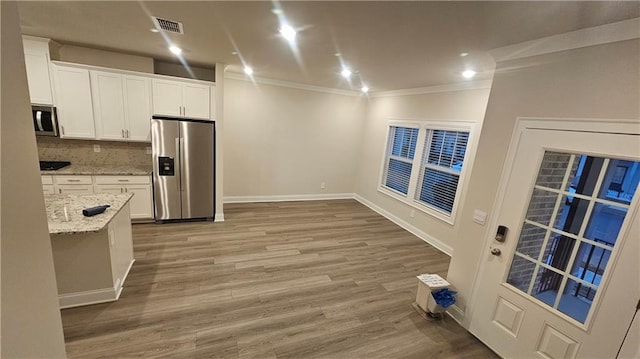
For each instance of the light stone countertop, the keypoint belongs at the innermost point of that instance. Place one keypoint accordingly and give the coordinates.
(100, 170)
(78, 223)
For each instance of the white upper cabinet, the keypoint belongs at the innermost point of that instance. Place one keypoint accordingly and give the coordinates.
(108, 104)
(36, 59)
(73, 101)
(195, 101)
(122, 106)
(181, 99)
(137, 106)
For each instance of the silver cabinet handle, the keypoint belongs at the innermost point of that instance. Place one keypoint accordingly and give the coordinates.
(73, 180)
(121, 189)
(123, 180)
(127, 131)
(59, 190)
(123, 136)
(62, 129)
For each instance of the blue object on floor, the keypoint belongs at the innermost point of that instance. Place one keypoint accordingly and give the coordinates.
(444, 297)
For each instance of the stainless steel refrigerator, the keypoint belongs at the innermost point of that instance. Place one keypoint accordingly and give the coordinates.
(183, 168)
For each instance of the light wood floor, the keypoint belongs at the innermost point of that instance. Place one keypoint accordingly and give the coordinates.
(319, 279)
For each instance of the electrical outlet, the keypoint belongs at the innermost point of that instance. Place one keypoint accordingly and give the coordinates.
(96, 148)
(322, 185)
(148, 150)
(412, 213)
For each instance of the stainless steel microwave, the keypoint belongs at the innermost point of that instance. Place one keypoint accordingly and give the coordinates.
(45, 121)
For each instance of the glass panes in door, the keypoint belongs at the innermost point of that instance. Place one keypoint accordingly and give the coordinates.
(575, 213)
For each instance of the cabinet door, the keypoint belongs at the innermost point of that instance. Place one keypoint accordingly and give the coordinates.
(108, 188)
(141, 203)
(75, 188)
(73, 100)
(36, 60)
(108, 105)
(167, 98)
(137, 103)
(195, 99)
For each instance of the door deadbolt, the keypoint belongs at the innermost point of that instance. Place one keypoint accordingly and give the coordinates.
(501, 233)
(496, 251)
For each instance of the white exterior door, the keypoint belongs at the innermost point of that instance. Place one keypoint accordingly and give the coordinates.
(566, 280)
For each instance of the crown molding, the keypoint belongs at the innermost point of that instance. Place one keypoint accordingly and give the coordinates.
(598, 35)
(461, 86)
(295, 85)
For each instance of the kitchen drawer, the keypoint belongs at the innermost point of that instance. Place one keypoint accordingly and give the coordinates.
(75, 189)
(47, 180)
(73, 180)
(122, 180)
(48, 189)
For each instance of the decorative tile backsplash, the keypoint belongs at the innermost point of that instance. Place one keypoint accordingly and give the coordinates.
(81, 152)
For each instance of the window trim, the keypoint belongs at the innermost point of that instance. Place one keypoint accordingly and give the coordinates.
(423, 127)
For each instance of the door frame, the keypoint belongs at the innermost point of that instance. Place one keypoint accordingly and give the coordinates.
(593, 125)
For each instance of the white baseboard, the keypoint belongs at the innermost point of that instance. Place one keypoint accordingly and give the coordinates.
(77, 299)
(415, 231)
(70, 300)
(457, 314)
(119, 286)
(219, 217)
(284, 198)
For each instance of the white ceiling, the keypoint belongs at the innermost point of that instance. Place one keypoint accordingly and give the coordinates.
(391, 44)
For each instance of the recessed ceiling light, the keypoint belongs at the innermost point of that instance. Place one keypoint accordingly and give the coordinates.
(338, 54)
(288, 32)
(346, 73)
(463, 54)
(364, 89)
(467, 74)
(234, 52)
(175, 49)
(277, 11)
(248, 70)
(154, 30)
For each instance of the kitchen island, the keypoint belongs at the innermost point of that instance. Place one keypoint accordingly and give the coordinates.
(92, 255)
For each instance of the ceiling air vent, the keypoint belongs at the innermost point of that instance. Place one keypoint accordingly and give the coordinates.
(168, 25)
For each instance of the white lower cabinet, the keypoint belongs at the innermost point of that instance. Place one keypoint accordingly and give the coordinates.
(73, 184)
(74, 189)
(141, 203)
(47, 185)
(140, 186)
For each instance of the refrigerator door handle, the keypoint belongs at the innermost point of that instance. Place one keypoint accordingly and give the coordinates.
(178, 160)
(181, 155)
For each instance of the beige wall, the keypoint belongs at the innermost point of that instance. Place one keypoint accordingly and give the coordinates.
(31, 325)
(593, 82)
(468, 105)
(95, 57)
(284, 141)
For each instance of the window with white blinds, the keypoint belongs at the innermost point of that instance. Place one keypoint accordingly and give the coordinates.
(440, 168)
(423, 166)
(399, 159)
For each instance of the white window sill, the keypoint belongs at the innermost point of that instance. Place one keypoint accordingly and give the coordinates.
(417, 205)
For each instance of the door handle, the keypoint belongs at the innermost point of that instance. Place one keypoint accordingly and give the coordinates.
(496, 252)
